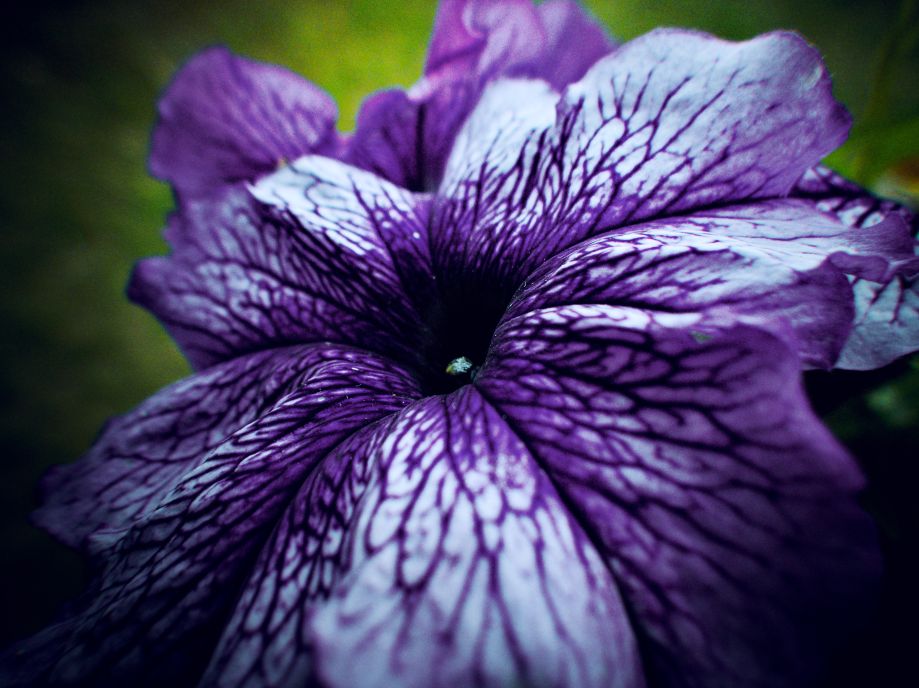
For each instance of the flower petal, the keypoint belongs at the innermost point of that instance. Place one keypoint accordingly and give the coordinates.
(397, 138)
(225, 119)
(687, 449)
(886, 324)
(556, 41)
(782, 262)
(462, 540)
(574, 42)
(310, 253)
(172, 573)
(483, 36)
(832, 193)
(436, 554)
(140, 456)
(406, 136)
(671, 122)
(264, 642)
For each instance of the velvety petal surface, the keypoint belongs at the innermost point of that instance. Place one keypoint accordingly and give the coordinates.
(672, 122)
(886, 323)
(169, 576)
(317, 251)
(687, 451)
(406, 136)
(225, 119)
(777, 261)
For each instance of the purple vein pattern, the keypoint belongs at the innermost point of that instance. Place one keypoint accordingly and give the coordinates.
(634, 254)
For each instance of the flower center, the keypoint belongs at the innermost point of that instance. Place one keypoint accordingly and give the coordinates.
(458, 334)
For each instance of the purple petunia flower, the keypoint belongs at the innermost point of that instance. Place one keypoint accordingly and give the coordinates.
(504, 389)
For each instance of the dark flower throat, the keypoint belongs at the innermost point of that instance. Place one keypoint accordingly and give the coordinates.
(458, 333)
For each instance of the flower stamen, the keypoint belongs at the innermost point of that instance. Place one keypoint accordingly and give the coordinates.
(459, 366)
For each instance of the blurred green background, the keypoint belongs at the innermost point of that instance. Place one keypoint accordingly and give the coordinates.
(78, 84)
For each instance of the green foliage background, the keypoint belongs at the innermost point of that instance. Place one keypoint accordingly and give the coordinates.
(78, 84)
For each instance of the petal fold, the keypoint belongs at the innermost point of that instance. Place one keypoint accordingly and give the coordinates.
(886, 323)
